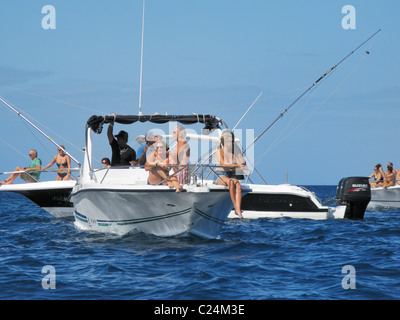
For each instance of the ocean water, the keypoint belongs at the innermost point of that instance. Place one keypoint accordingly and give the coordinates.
(42, 257)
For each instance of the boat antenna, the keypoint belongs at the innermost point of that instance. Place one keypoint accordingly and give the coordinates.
(141, 66)
(309, 88)
(27, 120)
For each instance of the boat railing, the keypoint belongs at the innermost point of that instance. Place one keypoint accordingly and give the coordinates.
(45, 171)
(195, 174)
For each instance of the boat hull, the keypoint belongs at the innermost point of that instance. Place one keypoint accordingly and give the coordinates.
(52, 196)
(385, 198)
(263, 201)
(155, 210)
(276, 201)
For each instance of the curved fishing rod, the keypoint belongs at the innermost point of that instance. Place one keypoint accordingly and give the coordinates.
(309, 88)
(27, 120)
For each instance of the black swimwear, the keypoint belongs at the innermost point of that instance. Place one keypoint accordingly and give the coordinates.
(62, 175)
(62, 164)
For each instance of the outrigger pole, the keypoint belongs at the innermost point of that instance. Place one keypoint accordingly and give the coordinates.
(27, 120)
(309, 88)
(141, 66)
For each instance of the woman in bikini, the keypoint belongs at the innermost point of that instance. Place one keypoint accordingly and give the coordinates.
(63, 162)
(378, 176)
(229, 156)
(158, 165)
(389, 176)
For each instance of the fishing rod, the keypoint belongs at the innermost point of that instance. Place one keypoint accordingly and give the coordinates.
(44, 134)
(309, 88)
(254, 102)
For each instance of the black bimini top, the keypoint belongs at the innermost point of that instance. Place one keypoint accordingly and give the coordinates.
(211, 122)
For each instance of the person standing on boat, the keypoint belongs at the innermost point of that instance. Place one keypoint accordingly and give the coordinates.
(150, 139)
(63, 162)
(230, 158)
(122, 154)
(181, 155)
(30, 174)
(158, 165)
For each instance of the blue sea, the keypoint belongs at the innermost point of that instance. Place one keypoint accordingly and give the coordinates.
(45, 258)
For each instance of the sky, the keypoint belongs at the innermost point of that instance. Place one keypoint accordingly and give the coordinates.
(208, 57)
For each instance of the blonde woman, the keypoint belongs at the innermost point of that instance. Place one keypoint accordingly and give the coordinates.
(158, 165)
(63, 162)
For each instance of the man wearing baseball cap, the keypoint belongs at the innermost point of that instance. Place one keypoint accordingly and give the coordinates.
(150, 139)
(122, 154)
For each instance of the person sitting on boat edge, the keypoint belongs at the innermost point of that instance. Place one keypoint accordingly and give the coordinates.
(230, 157)
(378, 176)
(181, 155)
(63, 162)
(30, 174)
(150, 139)
(396, 173)
(122, 154)
(158, 166)
(389, 177)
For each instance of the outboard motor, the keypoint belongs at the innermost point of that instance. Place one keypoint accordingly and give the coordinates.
(355, 193)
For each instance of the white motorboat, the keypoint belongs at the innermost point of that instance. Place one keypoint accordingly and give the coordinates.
(119, 200)
(385, 198)
(275, 201)
(52, 196)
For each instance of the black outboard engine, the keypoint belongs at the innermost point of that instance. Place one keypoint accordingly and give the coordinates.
(355, 193)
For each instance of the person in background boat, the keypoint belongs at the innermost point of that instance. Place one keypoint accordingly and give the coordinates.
(122, 154)
(396, 173)
(389, 176)
(105, 162)
(63, 162)
(30, 174)
(230, 157)
(378, 176)
(158, 166)
(181, 155)
(150, 139)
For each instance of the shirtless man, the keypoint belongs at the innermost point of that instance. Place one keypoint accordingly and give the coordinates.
(181, 155)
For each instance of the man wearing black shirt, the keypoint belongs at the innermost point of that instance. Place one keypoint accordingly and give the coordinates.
(122, 154)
